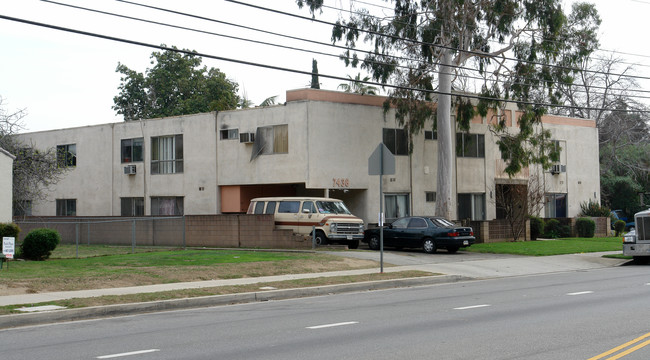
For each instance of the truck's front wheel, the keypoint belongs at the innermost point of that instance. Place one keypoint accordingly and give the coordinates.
(321, 239)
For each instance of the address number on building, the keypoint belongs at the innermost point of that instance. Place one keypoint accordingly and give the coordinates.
(341, 182)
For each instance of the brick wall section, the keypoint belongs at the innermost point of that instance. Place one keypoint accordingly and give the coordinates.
(248, 231)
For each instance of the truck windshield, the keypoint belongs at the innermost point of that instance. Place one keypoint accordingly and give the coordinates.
(332, 207)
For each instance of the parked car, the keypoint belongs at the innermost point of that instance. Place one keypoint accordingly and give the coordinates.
(620, 215)
(427, 232)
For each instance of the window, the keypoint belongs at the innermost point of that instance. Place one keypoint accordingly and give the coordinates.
(271, 140)
(471, 206)
(66, 207)
(133, 206)
(555, 206)
(396, 141)
(132, 150)
(289, 207)
(397, 206)
(66, 155)
(417, 223)
(430, 135)
(470, 145)
(430, 196)
(270, 208)
(23, 208)
(400, 223)
(308, 207)
(229, 134)
(166, 206)
(259, 207)
(167, 154)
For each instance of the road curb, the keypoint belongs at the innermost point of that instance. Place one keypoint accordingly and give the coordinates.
(95, 312)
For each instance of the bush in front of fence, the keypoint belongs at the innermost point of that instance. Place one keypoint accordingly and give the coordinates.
(585, 227)
(39, 244)
(9, 230)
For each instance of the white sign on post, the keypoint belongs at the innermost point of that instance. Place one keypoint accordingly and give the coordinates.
(8, 247)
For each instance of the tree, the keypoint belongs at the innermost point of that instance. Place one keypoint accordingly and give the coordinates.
(315, 82)
(358, 86)
(425, 39)
(34, 170)
(175, 85)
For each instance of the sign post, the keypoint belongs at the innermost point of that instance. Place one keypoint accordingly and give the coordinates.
(381, 162)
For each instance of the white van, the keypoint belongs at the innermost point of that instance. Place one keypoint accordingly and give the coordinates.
(333, 221)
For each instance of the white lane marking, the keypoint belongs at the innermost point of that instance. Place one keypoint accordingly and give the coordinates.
(332, 325)
(580, 293)
(471, 307)
(128, 354)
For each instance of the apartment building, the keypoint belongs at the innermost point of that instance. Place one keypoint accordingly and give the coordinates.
(317, 144)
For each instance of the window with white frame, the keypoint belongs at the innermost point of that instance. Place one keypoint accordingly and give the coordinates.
(167, 154)
(229, 134)
(66, 155)
(66, 207)
(471, 206)
(167, 205)
(132, 206)
(131, 150)
(396, 206)
(555, 206)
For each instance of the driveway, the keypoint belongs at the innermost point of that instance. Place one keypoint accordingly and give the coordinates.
(418, 257)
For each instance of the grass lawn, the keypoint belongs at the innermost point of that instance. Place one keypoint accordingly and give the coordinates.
(103, 267)
(551, 247)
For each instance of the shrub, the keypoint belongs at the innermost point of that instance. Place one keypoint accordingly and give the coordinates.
(39, 244)
(9, 230)
(594, 209)
(585, 227)
(552, 229)
(619, 226)
(536, 227)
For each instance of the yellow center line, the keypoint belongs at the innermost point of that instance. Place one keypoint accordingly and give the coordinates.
(618, 348)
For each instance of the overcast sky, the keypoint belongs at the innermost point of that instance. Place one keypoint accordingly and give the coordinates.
(69, 80)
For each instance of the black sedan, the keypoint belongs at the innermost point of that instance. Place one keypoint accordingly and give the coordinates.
(428, 232)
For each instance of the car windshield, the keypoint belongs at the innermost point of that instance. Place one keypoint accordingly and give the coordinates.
(442, 222)
(332, 207)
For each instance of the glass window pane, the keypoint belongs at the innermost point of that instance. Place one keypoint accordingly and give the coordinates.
(138, 144)
(127, 150)
(270, 208)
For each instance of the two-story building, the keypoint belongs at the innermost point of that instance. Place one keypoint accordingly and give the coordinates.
(318, 144)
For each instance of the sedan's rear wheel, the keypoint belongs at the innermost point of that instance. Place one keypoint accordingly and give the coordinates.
(429, 246)
(373, 243)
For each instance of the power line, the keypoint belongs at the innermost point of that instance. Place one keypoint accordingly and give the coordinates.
(326, 44)
(278, 68)
(476, 53)
(483, 28)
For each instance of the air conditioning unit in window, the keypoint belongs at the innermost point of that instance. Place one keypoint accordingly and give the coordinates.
(247, 138)
(129, 170)
(556, 169)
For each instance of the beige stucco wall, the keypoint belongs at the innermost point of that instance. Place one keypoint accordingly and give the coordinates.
(6, 176)
(98, 181)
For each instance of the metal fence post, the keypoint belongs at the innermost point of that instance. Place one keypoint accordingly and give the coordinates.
(77, 227)
(313, 237)
(184, 244)
(133, 237)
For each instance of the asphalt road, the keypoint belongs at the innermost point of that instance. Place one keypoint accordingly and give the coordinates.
(573, 315)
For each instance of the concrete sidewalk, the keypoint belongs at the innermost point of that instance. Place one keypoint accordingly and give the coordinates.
(479, 269)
